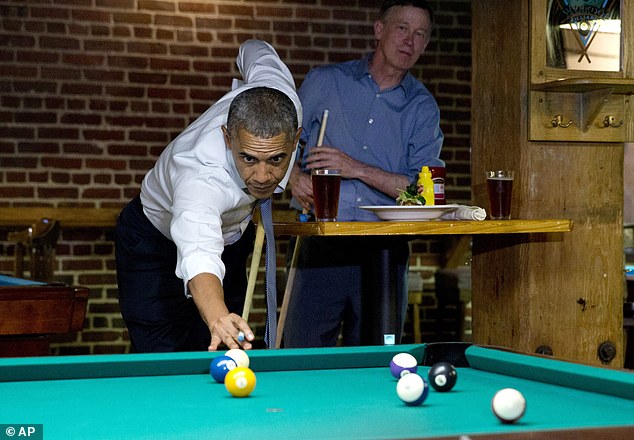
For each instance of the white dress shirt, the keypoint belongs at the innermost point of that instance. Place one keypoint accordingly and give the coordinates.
(194, 194)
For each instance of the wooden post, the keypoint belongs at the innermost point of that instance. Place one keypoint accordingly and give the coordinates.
(541, 292)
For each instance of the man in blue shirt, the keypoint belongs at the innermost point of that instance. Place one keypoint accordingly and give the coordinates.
(383, 126)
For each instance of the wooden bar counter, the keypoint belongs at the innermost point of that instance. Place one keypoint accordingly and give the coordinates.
(455, 227)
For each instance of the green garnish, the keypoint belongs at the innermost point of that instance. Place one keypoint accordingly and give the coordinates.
(410, 196)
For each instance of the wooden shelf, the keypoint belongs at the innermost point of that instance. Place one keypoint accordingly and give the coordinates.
(106, 218)
(77, 217)
(460, 227)
(619, 86)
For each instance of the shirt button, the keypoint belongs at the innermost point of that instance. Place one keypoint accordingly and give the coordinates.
(365, 147)
(371, 121)
(359, 199)
(378, 95)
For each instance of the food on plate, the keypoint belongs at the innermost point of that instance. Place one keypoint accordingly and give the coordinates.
(410, 196)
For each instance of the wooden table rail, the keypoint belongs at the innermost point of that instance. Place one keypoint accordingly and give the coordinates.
(68, 217)
(455, 227)
(106, 217)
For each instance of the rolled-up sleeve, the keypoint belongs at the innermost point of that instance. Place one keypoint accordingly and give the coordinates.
(196, 225)
(260, 65)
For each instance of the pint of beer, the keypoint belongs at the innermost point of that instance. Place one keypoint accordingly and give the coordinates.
(499, 189)
(326, 184)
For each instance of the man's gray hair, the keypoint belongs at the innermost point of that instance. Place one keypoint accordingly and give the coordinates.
(263, 112)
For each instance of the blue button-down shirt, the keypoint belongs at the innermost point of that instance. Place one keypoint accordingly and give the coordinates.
(396, 129)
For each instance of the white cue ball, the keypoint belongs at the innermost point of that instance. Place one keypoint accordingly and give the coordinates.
(508, 405)
(412, 389)
(240, 356)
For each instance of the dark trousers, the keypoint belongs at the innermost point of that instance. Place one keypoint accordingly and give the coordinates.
(159, 317)
(339, 287)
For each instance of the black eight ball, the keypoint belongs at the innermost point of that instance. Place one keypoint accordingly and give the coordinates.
(442, 376)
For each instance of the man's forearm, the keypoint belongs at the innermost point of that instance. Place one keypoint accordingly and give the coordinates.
(386, 182)
(206, 290)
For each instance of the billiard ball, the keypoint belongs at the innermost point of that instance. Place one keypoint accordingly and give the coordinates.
(508, 405)
(412, 389)
(403, 363)
(442, 376)
(220, 366)
(240, 382)
(240, 356)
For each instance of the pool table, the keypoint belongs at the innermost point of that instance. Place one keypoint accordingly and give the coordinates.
(330, 393)
(31, 311)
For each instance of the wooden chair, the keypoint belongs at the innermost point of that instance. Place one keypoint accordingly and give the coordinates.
(38, 242)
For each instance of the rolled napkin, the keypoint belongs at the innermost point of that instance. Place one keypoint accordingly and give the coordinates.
(465, 213)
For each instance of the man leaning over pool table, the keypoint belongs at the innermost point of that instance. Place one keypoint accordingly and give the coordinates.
(181, 246)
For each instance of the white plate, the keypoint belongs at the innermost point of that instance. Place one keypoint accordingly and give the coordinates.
(410, 213)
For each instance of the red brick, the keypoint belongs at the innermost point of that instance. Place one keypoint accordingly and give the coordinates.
(60, 178)
(57, 193)
(235, 10)
(91, 15)
(38, 147)
(19, 71)
(129, 92)
(37, 57)
(80, 179)
(61, 73)
(118, 4)
(189, 80)
(149, 48)
(36, 118)
(169, 64)
(83, 59)
(81, 119)
(166, 93)
(133, 62)
(16, 191)
(154, 5)
(57, 133)
(127, 150)
(198, 8)
(103, 75)
(34, 87)
(147, 78)
(18, 41)
(108, 46)
(188, 50)
(172, 20)
(213, 23)
(274, 11)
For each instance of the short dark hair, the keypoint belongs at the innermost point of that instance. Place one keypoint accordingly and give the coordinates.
(263, 112)
(422, 4)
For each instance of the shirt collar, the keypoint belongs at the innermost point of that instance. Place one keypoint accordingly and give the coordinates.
(363, 69)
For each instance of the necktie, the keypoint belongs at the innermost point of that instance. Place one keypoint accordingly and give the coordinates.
(266, 217)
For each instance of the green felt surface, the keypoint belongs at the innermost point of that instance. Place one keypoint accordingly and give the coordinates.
(290, 400)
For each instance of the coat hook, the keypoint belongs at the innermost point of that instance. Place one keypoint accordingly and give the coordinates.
(609, 122)
(558, 121)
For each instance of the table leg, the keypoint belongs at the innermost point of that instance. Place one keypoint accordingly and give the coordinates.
(382, 302)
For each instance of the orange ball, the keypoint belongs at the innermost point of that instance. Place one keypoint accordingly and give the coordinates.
(240, 382)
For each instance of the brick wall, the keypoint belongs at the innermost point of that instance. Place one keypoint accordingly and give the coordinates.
(91, 91)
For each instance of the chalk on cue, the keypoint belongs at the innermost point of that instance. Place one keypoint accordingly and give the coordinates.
(241, 337)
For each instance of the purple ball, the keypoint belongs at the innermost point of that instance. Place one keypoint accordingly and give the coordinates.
(403, 363)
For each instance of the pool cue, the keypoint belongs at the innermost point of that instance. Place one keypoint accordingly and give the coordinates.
(253, 271)
(291, 270)
(322, 129)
